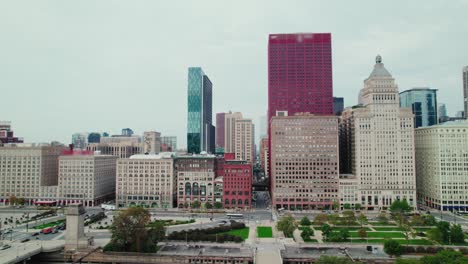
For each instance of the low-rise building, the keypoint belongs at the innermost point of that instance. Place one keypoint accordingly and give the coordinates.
(146, 180)
(88, 179)
(237, 184)
(442, 166)
(123, 149)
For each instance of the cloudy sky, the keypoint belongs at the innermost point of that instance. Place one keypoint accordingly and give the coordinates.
(73, 66)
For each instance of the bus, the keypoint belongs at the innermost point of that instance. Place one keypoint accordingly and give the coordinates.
(235, 216)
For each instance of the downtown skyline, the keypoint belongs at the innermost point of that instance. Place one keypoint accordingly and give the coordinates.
(76, 74)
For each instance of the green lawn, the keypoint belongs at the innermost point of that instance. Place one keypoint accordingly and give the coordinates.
(264, 231)
(244, 232)
(379, 234)
(51, 224)
(381, 224)
(388, 229)
(417, 242)
(338, 228)
(422, 229)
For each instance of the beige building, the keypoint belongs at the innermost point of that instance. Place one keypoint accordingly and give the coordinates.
(123, 149)
(442, 166)
(304, 161)
(86, 179)
(28, 171)
(349, 191)
(230, 131)
(146, 180)
(151, 142)
(244, 138)
(378, 141)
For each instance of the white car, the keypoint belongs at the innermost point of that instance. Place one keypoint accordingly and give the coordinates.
(5, 247)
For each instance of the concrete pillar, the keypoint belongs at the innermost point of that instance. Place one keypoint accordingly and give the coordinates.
(75, 238)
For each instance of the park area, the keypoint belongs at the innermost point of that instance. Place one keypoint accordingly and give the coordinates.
(264, 232)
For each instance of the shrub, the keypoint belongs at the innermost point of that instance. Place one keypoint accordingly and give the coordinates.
(393, 248)
(421, 249)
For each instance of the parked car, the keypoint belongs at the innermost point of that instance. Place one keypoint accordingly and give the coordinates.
(5, 247)
(23, 240)
(35, 234)
(47, 230)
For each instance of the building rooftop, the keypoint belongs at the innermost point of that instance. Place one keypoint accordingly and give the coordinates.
(206, 250)
(419, 89)
(338, 251)
(162, 155)
(379, 69)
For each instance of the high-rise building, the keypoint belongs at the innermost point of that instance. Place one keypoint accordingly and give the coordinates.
(442, 111)
(168, 143)
(304, 161)
(220, 117)
(127, 132)
(300, 73)
(230, 131)
(237, 184)
(152, 187)
(465, 90)
(6, 134)
(379, 139)
(29, 171)
(423, 103)
(338, 105)
(195, 179)
(460, 114)
(264, 155)
(87, 179)
(80, 140)
(200, 129)
(151, 142)
(441, 165)
(244, 140)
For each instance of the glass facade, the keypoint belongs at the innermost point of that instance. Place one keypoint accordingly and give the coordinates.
(423, 103)
(200, 131)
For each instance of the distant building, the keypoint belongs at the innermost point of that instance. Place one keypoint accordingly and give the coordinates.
(94, 137)
(86, 179)
(6, 134)
(338, 105)
(244, 140)
(80, 140)
(442, 112)
(220, 130)
(304, 162)
(441, 166)
(195, 178)
(29, 171)
(230, 131)
(378, 141)
(349, 191)
(237, 184)
(264, 155)
(465, 90)
(127, 132)
(263, 126)
(121, 139)
(151, 142)
(122, 149)
(200, 129)
(152, 187)
(169, 143)
(423, 104)
(460, 114)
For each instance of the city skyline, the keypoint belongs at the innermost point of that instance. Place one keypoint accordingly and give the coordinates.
(109, 57)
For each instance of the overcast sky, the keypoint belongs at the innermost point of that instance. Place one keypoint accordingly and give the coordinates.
(75, 66)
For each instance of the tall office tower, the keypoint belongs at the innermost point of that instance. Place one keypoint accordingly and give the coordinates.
(6, 134)
(441, 165)
(304, 161)
(237, 184)
(220, 117)
(380, 138)
(88, 179)
(300, 74)
(423, 103)
(169, 143)
(154, 187)
(442, 111)
(230, 131)
(465, 90)
(127, 132)
(195, 178)
(338, 105)
(151, 142)
(29, 171)
(244, 147)
(460, 114)
(264, 155)
(80, 140)
(200, 129)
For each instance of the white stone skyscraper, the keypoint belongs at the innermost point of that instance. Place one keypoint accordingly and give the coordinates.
(378, 141)
(465, 90)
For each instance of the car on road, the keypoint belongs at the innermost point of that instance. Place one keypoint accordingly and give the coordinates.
(5, 247)
(47, 230)
(35, 234)
(23, 240)
(8, 231)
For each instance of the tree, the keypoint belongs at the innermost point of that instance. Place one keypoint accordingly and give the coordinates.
(362, 219)
(129, 233)
(306, 233)
(456, 234)
(435, 234)
(393, 248)
(218, 205)
(326, 230)
(382, 218)
(407, 261)
(362, 233)
(417, 220)
(344, 234)
(347, 206)
(445, 257)
(321, 219)
(444, 228)
(349, 218)
(400, 206)
(335, 205)
(157, 232)
(287, 224)
(208, 205)
(357, 207)
(407, 231)
(430, 220)
(13, 200)
(186, 205)
(196, 204)
(334, 260)
(305, 221)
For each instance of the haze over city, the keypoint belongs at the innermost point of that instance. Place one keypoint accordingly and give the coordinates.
(100, 66)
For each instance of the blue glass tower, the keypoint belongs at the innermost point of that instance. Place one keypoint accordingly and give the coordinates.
(423, 103)
(200, 129)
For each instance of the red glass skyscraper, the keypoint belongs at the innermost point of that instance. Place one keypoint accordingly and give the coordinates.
(300, 74)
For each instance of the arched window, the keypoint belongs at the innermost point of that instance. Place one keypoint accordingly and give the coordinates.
(203, 189)
(233, 201)
(239, 202)
(188, 189)
(226, 201)
(246, 202)
(196, 190)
